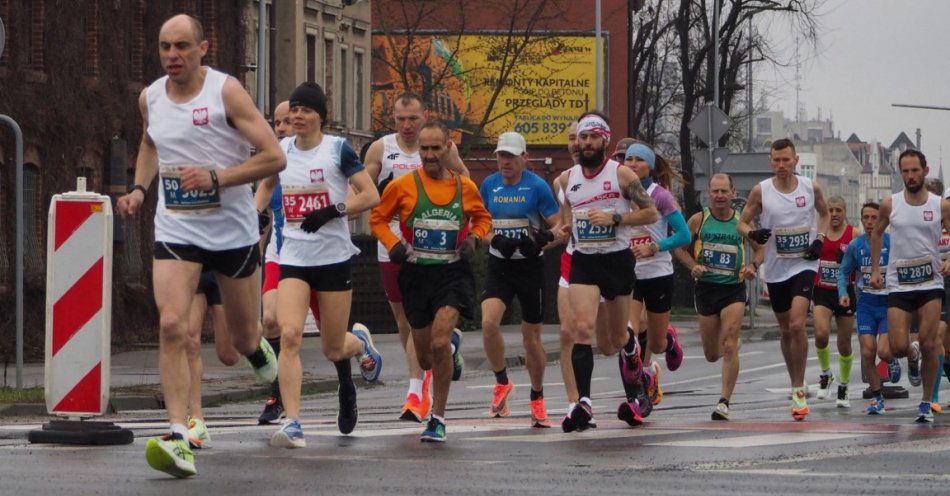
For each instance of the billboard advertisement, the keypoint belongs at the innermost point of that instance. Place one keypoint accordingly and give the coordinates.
(482, 85)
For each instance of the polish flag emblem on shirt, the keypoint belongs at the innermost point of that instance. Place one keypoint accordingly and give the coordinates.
(316, 175)
(928, 215)
(606, 185)
(800, 201)
(199, 116)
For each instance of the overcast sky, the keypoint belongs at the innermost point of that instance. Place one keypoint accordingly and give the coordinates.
(874, 53)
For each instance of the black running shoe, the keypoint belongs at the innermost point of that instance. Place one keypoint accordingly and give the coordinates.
(273, 411)
(346, 419)
(581, 415)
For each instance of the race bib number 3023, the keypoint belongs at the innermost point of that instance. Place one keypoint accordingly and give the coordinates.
(300, 200)
(181, 202)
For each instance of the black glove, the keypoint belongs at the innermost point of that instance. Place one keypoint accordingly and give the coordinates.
(840, 255)
(760, 236)
(398, 254)
(541, 237)
(529, 247)
(505, 245)
(467, 249)
(263, 221)
(317, 218)
(814, 251)
(384, 183)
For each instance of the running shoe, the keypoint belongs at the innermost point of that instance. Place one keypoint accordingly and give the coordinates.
(824, 385)
(877, 406)
(265, 372)
(629, 412)
(674, 354)
(198, 436)
(499, 401)
(799, 405)
(913, 366)
(348, 415)
(412, 409)
(457, 361)
(290, 435)
(172, 455)
(721, 412)
(936, 408)
(582, 414)
(894, 371)
(371, 363)
(539, 414)
(655, 392)
(924, 413)
(434, 432)
(843, 401)
(643, 399)
(567, 423)
(273, 411)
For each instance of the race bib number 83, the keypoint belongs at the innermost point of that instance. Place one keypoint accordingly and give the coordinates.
(721, 259)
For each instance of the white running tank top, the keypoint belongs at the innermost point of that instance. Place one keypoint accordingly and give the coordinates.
(600, 191)
(395, 163)
(914, 262)
(198, 133)
(314, 179)
(794, 224)
(661, 263)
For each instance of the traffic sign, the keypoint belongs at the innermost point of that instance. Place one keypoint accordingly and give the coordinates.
(710, 131)
(701, 158)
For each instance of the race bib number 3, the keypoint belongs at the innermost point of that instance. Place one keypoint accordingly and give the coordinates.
(589, 235)
(435, 238)
(178, 201)
(915, 271)
(791, 242)
(828, 273)
(510, 228)
(720, 259)
(300, 200)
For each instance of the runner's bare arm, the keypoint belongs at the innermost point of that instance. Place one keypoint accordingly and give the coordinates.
(453, 161)
(373, 162)
(824, 218)
(877, 236)
(146, 165)
(643, 211)
(566, 214)
(753, 207)
(945, 220)
(265, 190)
(685, 253)
(269, 159)
(365, 194)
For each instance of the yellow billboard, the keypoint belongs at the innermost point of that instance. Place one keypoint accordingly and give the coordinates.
(482, 85)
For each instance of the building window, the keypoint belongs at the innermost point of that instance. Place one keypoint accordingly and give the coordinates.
(328, 70)
(37, 21)
(344, 87)
(358, 84)
(137, 40)
(312, 57)
(91, 29)
(33, 215)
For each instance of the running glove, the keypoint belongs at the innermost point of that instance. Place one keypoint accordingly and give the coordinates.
(263, 221)
(398, 254)
(529, 248)
(814, 251)
(467, 248)
(505, 245)
(760, 236)
(317, 218)
(384, 183)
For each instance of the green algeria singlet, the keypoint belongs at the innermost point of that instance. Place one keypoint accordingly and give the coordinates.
(435, 228)
(720, 249)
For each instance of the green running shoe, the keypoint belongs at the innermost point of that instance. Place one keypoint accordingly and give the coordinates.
(172, 455)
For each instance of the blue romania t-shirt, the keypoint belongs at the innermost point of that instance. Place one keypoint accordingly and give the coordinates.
(514, 207)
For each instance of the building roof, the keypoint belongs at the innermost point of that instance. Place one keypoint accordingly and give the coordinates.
(853, 139)
(902, 139)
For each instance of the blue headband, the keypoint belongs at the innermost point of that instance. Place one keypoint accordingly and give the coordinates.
(644, 152)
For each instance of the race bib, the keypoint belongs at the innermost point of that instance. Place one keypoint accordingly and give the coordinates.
(435, 238)
(828, 273)
(944, 245)
(866, 277)
(720, 259)
(792, 242)
(182, 202)
(589, 235)
(914, 271)
(640, 237)
(301, 199)
(510, 228)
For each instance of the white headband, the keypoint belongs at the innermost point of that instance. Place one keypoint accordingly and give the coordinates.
(593, 124)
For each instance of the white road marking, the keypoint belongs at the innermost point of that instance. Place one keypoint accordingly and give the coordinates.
(758, 440)
(600, 433)
(526, 384)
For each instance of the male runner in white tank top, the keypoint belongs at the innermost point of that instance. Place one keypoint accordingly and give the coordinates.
(388, 158)
(199, 126)
(913, 276)
(792, 208)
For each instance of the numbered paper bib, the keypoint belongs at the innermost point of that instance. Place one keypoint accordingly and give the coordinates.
(435, 238)
(721, 259)
(187, 202)
(640, 237)
(301, 199)
(828, 273)
(510, 228)
(589, 235)
(791, 242)
(914, 271)
(866, 278)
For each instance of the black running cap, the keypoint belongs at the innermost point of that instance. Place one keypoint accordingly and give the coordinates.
(310, 95)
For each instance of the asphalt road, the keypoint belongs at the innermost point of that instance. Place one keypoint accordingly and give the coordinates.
(679, 451)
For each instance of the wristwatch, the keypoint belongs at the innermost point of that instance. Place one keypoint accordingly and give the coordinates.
(341, 208)
(617, 219)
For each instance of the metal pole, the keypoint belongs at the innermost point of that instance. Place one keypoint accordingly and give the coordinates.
(18, 257)
(599, 59)
(748, 84)
(261, 53)
(714, 62)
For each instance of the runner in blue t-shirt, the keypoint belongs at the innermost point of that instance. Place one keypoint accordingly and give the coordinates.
(522, 205)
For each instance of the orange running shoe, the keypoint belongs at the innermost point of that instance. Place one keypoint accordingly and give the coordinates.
(539, 414)
(799, 405)
(655, 392)
(412, 409)
(936, 408)
(499, 401)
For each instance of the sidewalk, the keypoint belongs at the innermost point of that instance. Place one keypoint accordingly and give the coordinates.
(136, 383)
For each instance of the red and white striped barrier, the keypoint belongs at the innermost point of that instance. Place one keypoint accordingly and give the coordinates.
(78, 303)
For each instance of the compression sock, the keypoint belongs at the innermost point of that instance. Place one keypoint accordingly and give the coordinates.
(824, 358)
(582, 358)
(844, 368)
(501, 376)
